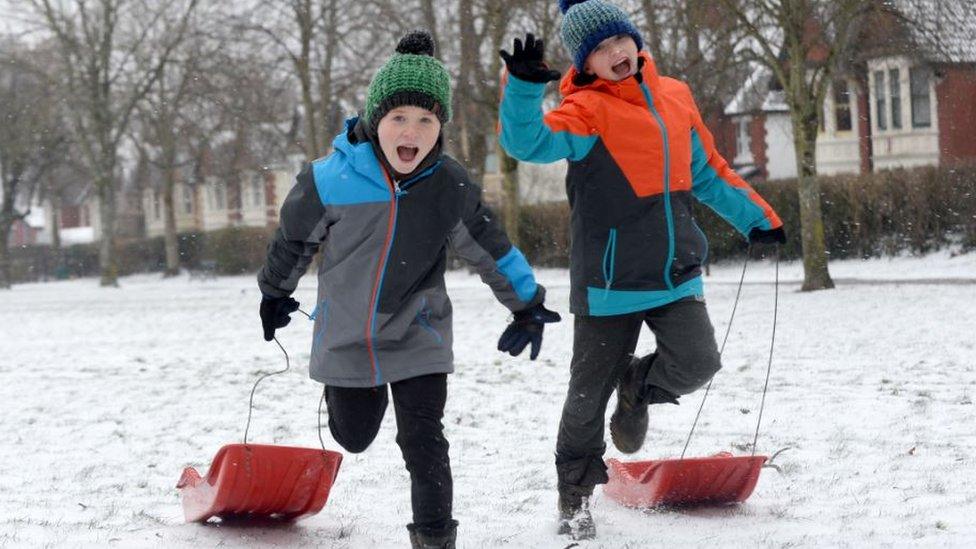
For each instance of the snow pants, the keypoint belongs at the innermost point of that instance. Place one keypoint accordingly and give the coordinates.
(686, 358)
(355, 415)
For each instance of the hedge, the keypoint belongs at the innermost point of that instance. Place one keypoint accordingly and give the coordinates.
(880, 214)
(870, 215)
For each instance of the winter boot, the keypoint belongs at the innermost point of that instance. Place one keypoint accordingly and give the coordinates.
(628, 424)
(575, 519)
(433, 538)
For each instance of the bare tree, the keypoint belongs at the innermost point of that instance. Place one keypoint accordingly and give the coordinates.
(112, 52)
(804, 43)
(171, 115)
(31, 139)
(319, 39)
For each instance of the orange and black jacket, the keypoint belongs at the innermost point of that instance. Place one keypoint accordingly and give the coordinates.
(638, 152)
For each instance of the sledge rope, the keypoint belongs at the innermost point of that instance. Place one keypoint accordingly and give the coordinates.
(728, 329)
(769, 364)
(725, 339)
(250, 403)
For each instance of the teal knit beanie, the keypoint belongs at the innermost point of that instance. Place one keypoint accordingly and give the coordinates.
(586, 23)
(411, 77)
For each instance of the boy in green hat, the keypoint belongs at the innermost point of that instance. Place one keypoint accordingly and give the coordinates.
(382, 209)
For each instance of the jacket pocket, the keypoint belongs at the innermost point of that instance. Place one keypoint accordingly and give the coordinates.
(423, 318)
(320, 315)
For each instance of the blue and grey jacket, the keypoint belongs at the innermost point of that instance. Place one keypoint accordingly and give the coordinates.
(383, 313)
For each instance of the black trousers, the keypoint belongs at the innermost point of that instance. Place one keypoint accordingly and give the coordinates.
(354, 419)
(686, 358)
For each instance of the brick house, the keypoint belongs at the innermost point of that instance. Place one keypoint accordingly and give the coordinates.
(908, 102)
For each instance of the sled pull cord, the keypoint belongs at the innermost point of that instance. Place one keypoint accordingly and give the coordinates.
(250, 403)
(769, 364)
(725, 339)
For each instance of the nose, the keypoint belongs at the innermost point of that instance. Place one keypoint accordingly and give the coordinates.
(411, 130)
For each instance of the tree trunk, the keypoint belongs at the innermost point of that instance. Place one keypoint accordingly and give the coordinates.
(510, 195)
(5, 281)
(169, 221)
(303, 17)
(56, 223)
(815, 273)
(106, 249)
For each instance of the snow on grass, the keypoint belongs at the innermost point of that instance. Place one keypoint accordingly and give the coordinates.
(108, 393)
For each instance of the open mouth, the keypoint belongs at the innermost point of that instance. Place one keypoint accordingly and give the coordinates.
(407, 154)
(622, 68)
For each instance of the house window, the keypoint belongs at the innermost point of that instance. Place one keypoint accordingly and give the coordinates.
(921, 102)
(187, 200)
(219, 195)
(880, 111)
(742, 138)
(894, 84)
(257, 190)
(842, 106)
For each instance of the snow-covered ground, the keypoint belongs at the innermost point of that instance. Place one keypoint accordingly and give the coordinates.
(107, 394)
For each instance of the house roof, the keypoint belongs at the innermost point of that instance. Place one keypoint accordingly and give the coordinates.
(756, 95)
(751, 93)
(944, 29)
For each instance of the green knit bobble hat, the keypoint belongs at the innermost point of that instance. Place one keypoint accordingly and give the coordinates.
(411, 77)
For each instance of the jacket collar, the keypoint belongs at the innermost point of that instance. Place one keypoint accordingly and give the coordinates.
(628, 89)
(363, 149)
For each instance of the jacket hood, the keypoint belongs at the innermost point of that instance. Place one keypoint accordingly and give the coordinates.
(363, 148)
(627, 89)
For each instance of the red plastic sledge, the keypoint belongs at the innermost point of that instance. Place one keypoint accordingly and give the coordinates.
(721, 478)
(259, 480)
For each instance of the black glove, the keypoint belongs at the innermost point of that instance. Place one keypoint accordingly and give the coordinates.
(274, 314)
(772, 236)
(525, 329)
(526, 63)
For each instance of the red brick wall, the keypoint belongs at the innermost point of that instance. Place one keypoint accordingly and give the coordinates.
(956, 98)
(723, 130)
(22, 234)
(757, 144)
(70, 217)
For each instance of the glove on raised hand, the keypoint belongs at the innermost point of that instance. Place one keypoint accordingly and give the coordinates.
(525, 63)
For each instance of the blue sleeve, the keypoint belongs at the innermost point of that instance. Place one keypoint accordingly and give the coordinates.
(527, 135)
(726, 193)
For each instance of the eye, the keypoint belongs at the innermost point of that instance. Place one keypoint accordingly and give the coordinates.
(427, 120)
(399, 118)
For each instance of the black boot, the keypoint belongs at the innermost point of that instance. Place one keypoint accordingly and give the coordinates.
(628, 424)
(575, 519)
(433, 538)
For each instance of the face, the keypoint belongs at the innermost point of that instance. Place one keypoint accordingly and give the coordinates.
(407, 134)
(613, 59)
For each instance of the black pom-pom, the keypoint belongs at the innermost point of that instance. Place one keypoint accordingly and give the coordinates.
(566, 4)
(417, 42)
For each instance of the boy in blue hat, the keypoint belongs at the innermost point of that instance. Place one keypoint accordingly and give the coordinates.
(638, 154)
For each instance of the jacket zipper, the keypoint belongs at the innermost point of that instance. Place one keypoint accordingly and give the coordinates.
(667, 184)
(396, 192)
(609, 261)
